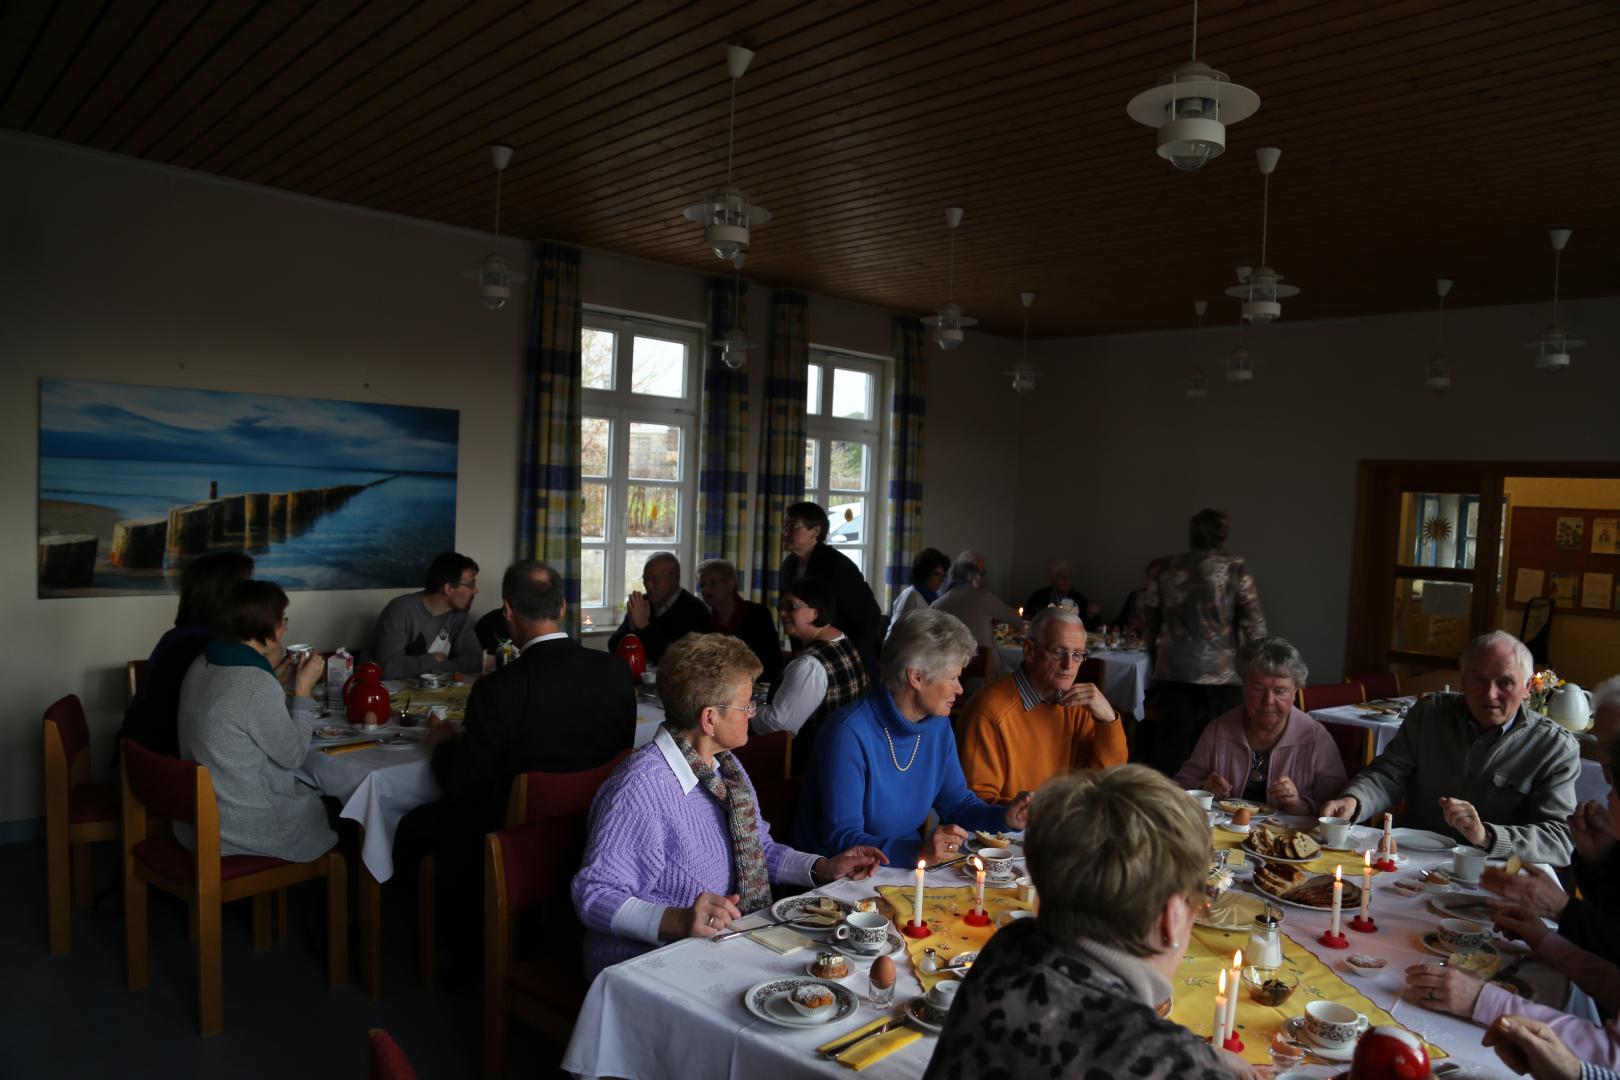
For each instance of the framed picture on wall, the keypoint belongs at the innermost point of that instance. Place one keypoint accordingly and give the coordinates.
(135, 481)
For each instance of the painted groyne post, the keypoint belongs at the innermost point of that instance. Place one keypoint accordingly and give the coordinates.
(256, 512)
(138, 543)
(188, 530)
(67, 561)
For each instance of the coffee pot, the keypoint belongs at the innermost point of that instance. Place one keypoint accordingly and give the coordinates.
(1571, 707)
(634, 653)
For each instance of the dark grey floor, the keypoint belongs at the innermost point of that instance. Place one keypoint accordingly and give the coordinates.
(71, 1016)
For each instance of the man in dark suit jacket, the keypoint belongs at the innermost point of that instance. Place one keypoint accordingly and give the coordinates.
(665, 613)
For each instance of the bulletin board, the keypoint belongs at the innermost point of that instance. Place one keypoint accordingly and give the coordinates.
(1570, 555)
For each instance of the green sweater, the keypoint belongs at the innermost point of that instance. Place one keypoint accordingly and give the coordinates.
(1523, 786)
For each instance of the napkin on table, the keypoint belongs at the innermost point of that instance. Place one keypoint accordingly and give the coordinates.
(870, 1051)
(780, 939)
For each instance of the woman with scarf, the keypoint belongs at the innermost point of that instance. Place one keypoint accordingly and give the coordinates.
(927, 575)
(676, 845)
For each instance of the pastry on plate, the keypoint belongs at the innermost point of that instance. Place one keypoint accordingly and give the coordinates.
(812, 995)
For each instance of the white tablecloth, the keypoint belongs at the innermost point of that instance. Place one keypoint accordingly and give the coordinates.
(377, 787)
(1589, 786)
(1125, 675)
(677, 1012)
(649, 714)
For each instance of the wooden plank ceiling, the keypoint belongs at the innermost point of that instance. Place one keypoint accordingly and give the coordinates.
(1421, 138)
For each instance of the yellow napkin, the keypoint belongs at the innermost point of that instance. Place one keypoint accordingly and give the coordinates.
(780, 939)
(942, 911)
(346, 747)
(1210, 950)
(870, 1051)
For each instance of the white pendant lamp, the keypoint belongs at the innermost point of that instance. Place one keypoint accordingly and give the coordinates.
(1262, 289)
(1198, 384)
(495, 281)
(733, 344)
(1239, 365)
(950, 322)
(1554, 346)
(727, 215)
(1437, 373)
(1191, 107)
(1023, 372)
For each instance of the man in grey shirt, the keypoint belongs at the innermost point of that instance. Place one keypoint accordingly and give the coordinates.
(1478, 766)
(434, 630)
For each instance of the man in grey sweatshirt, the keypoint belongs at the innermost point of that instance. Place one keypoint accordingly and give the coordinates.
(433, 630)
(1478, 766)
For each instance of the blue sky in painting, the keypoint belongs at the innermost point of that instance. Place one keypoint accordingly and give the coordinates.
(156, 423)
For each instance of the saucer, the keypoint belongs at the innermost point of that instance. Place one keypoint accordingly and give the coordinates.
(918, 1011)
(1296, 1030)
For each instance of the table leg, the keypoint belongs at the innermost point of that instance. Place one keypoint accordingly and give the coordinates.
(370, 933)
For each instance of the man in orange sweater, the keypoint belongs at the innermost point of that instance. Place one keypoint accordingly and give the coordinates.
(1035, 723)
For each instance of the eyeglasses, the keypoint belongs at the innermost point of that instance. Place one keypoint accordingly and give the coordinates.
(791, 527)
(1073, 656)
(787, 608)
(748, 710)
(473, 584)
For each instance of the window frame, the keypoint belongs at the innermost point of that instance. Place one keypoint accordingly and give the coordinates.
(622, 407)
(822, 429)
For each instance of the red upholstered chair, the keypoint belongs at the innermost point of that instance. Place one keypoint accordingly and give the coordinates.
(183, 791)
(388, 1061)
(528, 868)
(1329, 695)
(766, 757)
(1383, 684)
(78, 812)
(1355, 745)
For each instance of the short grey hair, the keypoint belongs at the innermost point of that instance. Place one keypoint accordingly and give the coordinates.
(662, 556)
(1053, 616)
(1606, 694)
(1060, 567)
(964, 572)
(936, 643)
(1273, 656)
(724, 567)
(1499, 639)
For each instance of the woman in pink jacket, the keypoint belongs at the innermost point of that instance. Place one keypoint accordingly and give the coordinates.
(1266, 750)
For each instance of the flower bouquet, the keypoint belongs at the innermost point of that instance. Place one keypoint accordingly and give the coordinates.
(1542, 684)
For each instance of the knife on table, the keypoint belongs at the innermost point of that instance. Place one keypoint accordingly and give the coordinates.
(831, 1053)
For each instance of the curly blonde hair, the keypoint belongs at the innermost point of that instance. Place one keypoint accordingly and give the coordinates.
(700, 670)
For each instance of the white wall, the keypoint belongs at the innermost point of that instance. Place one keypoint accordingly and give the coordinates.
(120, 271)
(1116, 459)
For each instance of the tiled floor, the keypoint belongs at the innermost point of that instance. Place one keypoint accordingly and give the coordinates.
(71, 1016)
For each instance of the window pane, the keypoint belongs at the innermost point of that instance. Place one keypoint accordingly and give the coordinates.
(846, 519)
(651, 512)
(596, 435)
(810, 481)
(812, 400)
(658, 367)
(655, 452)
(847, 469)
(1431, 616)
(592, 569)
(596, 349)
(852, 394)
(1433, 529)
(593, 516)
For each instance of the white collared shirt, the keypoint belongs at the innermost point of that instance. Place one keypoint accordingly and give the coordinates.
(538, 638)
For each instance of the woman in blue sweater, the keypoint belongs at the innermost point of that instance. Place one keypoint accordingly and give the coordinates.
(883, 763)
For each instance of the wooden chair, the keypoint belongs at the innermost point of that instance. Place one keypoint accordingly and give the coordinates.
(1355, 745)
(133, 670)
(1329, 695)
(204, 879)
(79, 812)
(528, 868)
(766, 757)
(1383, 684)
(388, 1061)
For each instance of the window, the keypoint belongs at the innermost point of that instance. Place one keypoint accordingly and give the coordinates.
(843, 466)
(638, 453)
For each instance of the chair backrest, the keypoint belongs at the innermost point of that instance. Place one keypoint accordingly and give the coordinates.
(537, 795)
(1091, 671)
(134, 670)
(167, 787)
(765, 757)
(388, 1061)
(1353, 744)
(66, 717)
(1328, 695)
(534, 863)
(1380, 684)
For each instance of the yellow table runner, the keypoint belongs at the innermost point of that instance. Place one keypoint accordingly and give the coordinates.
(943, 909)
(1351, 861)
(1211, 950)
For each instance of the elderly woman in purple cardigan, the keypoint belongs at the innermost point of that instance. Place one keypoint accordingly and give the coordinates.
(1266, 750)
(677, 847)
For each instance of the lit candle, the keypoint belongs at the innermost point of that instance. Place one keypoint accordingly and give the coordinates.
(1338, 898)
(1232, 999)
(1020, 612)
(1366, 882)
(978, 883)
(917, 912)
(1218, 1030)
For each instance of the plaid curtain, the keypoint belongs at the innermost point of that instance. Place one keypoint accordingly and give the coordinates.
(549, 498)
(906, 453)
(723, 437)
(780, 482)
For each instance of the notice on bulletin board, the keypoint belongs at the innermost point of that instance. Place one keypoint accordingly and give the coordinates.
(1596, 589)
(1571, 533)
(1606, 536)
(1528, 585)
(1563, 587)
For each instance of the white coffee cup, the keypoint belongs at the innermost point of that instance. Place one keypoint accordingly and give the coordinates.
(299, 652)
(943, 995)
(438, 714)
(1026, 889)
(1333, 1025)
(866, 931)
(1335, 831)
(998, 863)
(1204, 799)
(1467, 863)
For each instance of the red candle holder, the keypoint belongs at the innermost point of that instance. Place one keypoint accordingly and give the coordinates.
(915, 930)
(1334, 941)
(1387, 865)
(977, 918)
(1233, 1043)
(1367, 926)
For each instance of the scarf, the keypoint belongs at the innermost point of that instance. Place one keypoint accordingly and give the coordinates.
(236, 654)
(733, 792)
(927, 594)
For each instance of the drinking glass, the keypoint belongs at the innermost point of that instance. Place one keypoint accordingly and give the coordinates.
(881, 997)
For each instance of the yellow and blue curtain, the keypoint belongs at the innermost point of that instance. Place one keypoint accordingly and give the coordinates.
(780, 480)
(723, 438)
(549, 494)
(906, 453)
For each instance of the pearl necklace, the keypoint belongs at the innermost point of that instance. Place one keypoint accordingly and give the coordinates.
(895, 757)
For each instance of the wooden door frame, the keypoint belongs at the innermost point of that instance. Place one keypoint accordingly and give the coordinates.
(1379, 484)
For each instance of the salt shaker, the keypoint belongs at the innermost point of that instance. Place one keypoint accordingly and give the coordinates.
(1265, 941)
(930, 962)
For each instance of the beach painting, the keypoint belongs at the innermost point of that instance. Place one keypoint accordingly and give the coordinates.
(134, 481)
